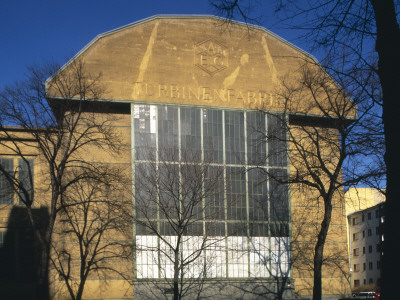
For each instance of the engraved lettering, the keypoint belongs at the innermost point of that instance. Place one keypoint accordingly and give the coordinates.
(251, 97)
(220, 95)
(150, 89)
(162, 91)
(211, 57)
(193, 93)
(240, 96)
(219, 60)
(137, 89)
(153, 90)
(174, 91)
(271, 100)
(211, 48)
(203, 60)
(206, 94)
(262, 97)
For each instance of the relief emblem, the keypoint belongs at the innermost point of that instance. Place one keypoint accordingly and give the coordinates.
(211, 56)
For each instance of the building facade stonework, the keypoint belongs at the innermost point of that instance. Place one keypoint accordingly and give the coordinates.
(192, 104)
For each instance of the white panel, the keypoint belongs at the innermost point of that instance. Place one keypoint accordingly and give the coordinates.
(192, 249)
(216, 257)
(259, 257)
(242, 254)
(238, 265)
(167, 256)
(146, 257)
(280, 256)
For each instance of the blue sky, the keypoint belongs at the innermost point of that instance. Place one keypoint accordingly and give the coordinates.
(33, 31)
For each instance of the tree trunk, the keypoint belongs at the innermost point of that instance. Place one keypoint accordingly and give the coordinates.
(176, 275)
(319, 250)
(42, 285)
(388, 48)
(81, 287)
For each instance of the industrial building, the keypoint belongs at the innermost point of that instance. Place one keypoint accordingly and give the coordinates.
(194, 104)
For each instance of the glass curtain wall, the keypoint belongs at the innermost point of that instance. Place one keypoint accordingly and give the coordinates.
(227, 166)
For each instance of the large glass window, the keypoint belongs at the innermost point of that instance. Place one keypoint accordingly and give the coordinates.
(221, 171)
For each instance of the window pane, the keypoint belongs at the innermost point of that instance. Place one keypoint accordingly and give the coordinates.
(256, 138)
(236, 193)
(234, 137)
(190, 134)
(6, 189)
(215, 228)
(25, 177)
(278, 195)
(258, 195)
(145, 118)
(214, 206)
(146, 191)
(168, 133)
(276, 141)
(212, 139)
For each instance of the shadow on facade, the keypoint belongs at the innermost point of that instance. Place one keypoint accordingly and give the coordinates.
(19, 254)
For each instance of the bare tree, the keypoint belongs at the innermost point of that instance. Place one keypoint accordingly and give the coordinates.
(322, 134)
(53, 122)
(91, 239)
(176, 203)
(368, 30)
(281, 258)
(320, 142)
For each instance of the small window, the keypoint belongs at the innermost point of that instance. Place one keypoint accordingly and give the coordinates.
(356, 283)
(356, 267)
(365, 281)
(369, 216)
(355, 236)
(370, 265)
(6, 188)
(363, 218)
(364, 267)
(355, 221)
(356, 252)
(25, 178)
(363, 233)
(378, 264)
(377, 213)
(370, 248)
(363, 250)
(2, 238)
(370, 281)
(369, 232)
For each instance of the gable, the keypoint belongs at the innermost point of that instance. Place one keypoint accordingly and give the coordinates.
(191, 60)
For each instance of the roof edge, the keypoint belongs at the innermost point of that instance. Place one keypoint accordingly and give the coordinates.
(172, 16)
